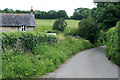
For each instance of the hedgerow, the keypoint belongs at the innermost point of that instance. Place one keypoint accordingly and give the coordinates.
(113, 44)
(47, 54)
(24, 40)
(60, 24)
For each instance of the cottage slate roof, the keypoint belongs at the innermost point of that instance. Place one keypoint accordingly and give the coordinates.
(11, 19)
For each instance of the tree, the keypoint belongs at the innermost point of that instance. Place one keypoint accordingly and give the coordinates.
(52, 14)
(43, 15)
(62, 13)
(87, 29)
(37, 14)
(77, 16)
(6, 10)
(108, 15)
(0, 11)
(60, 24)
(81, 13)
(94, 13)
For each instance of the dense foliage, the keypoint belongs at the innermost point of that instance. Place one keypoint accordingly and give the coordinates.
(24, 40)
(105, 16)
(80, 13)
(113, 44)
(101, 38)
(52, 14)
(60, 24)
(46, 57)
(87, 29)
(108, 15)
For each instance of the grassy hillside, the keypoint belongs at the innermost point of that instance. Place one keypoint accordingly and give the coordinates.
(43, 25)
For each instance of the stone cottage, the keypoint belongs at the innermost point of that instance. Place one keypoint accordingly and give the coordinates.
(16, 22)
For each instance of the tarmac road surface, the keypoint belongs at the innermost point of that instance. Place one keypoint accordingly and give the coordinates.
(91, 63)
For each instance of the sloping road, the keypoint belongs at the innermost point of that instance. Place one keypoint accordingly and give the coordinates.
(91, 63)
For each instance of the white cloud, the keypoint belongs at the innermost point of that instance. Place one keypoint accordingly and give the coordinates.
(46, 5)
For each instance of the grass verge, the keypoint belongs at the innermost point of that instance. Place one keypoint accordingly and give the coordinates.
(47, 58)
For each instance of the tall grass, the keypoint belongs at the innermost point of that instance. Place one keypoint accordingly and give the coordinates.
(48, 57)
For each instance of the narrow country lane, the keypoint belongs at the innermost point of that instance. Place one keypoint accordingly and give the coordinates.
(91, 63)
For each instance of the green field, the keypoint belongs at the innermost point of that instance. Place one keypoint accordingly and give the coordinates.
(43, 25)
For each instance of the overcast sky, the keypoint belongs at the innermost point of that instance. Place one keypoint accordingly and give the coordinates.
(46, 5)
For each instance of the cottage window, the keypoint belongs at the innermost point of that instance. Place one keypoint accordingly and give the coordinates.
(23, 28)
(12, 28)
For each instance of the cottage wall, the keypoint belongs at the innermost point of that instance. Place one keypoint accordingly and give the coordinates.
(30, 28)
(11, 29)
(6, 29)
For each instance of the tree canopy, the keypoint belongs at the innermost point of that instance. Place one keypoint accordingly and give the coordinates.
(80, 13)
(52, 14)
(108, 14)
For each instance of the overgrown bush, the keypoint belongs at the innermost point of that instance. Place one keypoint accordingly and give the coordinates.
(87, 29)
(60, 24)
(113, 44)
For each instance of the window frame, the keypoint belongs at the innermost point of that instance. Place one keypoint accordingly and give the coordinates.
(23, 28)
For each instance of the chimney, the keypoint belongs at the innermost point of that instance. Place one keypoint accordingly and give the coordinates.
(31, 11)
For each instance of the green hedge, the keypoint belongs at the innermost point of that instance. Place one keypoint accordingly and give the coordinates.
(113, 44)
(26, 40)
